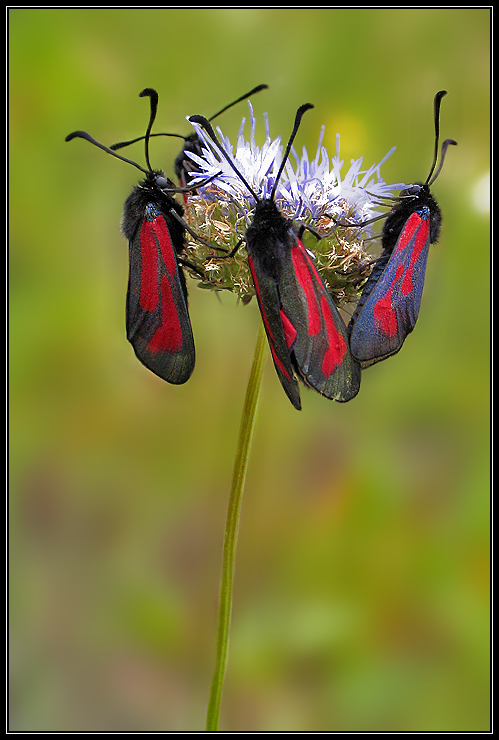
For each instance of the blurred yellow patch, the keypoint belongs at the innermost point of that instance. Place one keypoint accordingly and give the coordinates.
(352, 132)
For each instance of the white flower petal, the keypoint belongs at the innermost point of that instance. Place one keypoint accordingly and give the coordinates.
(309, 190)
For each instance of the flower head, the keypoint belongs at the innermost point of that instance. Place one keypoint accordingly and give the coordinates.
(311, 192)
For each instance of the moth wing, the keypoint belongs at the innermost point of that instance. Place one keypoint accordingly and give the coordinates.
(270, 309)
(391, 309)
(320, 347)
(157, 318)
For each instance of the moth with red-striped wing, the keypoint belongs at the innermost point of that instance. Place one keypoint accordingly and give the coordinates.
(306, 333)
(157, 318)
(389, 304)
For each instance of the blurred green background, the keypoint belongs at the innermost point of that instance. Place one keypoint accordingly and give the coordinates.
(362, 580)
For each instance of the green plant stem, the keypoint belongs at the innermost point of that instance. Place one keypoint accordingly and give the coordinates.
(231, 531)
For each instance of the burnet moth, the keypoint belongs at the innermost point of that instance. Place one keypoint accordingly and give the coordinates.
(157, 318)
(184, 164)
(306, 334)
(389, 304)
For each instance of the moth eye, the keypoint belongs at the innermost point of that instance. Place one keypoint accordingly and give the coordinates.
(161, 182)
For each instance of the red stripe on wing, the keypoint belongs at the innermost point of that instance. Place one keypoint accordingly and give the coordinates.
(303, 265)
(318, 317)
(154, 236)
(165, 243)
(168, 337)
(384, 313)
(416, 229)
(422, 235)
(289, 330)
(149, 295)
(337, 346)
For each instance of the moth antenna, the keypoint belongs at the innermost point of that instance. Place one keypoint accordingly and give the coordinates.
(243, 97)
(121, 144)
(436, 113)
(84, 135)
(436, 107)
(301, 110)
(445, 144)
(153, 95)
